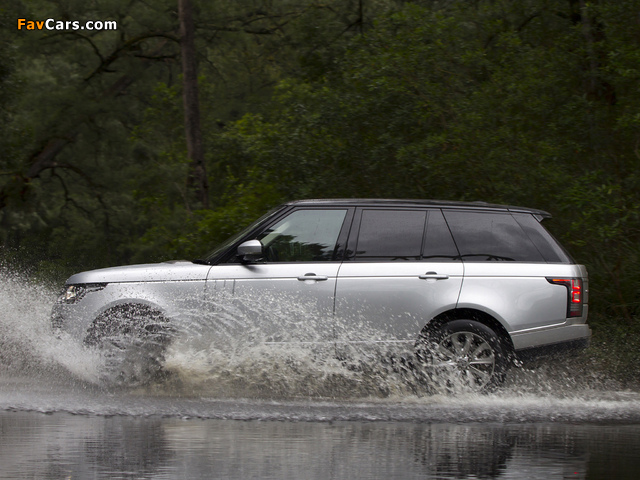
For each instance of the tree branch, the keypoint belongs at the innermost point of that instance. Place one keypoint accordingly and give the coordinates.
(129, 44)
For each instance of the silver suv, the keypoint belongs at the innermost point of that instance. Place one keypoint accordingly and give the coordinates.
(465, 288)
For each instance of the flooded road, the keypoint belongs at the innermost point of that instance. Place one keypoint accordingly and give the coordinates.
(61, 446)
(288, 416)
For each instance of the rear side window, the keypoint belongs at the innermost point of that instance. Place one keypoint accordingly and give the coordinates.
(409, 235)
(391, 235)
(490, 236)
(544, 242)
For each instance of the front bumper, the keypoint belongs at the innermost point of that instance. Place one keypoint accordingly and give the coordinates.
(71, 319)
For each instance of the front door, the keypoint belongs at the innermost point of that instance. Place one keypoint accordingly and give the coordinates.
(287, 295)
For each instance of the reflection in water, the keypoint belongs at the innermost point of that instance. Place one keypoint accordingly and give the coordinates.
(65, 446)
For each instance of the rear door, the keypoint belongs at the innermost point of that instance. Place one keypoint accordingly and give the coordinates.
(401, 269)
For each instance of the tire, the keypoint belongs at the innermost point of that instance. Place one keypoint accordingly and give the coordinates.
(463, 356)
(132, 339)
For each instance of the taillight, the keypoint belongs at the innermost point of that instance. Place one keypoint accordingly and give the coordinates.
(574, 294)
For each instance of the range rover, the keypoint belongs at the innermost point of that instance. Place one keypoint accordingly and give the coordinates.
(466, 288)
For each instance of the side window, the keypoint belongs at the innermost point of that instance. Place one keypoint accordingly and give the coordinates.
(303, 236)
(396, 235)
(438, 244)
(486, 236)
(550, 249)
(390, 235)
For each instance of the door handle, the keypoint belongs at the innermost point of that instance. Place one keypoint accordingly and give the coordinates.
(433, 276)
(313, 276)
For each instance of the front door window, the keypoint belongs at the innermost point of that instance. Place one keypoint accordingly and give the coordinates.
(303, 236)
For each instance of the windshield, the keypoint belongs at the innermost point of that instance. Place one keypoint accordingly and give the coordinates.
(224, 246)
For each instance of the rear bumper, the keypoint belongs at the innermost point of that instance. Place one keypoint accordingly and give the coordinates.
(565, 348)
(555, 340)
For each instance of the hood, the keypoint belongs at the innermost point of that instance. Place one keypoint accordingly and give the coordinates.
(174, 271)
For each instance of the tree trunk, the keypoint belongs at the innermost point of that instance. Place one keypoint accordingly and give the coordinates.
(197, 178)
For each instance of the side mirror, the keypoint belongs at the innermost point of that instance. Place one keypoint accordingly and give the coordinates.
(250, 251)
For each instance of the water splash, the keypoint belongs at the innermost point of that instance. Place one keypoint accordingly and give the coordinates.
(211, 362)
(27, 343)
(270, 346)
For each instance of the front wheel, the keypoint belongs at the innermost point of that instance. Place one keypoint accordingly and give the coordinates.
(463, 356)
(132, 340)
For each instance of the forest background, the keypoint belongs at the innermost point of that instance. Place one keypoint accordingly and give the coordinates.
(534, 103)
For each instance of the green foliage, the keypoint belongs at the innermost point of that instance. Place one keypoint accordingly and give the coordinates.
(606, 233)
(511, 102)
(613, 350)
(112, 99)
(533, 102)
(191, 236)
(419, 97)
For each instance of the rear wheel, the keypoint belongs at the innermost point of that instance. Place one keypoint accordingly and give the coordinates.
(463, 356)
(132, 340)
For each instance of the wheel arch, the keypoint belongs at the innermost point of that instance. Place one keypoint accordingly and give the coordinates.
(470, 314)
(122, 309)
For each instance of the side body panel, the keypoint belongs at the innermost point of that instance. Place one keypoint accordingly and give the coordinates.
(519, 296)
(390, 302)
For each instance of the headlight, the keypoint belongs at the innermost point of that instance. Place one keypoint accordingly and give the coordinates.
(71, 294)
(75, 293)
